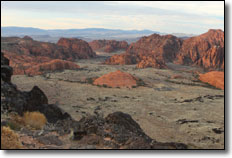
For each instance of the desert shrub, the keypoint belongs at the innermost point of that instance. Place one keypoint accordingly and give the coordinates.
(34, 119)
(104, 85)
(90, 80)
(140, 82)
(9, 139)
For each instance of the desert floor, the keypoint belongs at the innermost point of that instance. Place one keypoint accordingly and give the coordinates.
(167, 109)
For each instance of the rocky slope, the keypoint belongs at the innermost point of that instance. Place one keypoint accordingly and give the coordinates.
(29, 65)
(116, 131)
(214, 78)
(51, 66)
(206, 50)
(108, 45)
(151, 51)
(79, 48)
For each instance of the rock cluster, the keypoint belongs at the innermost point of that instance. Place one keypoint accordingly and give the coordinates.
(34, 58)
(206, 50)
(108, 45)
(66, 48)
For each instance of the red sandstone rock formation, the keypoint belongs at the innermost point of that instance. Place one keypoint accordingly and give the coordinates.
(206, 50)
(79, 48)
(151, 51)
(66, 49)
(24, 64)
(116, 79)
(108, 45)
(53, 65)
(33, 57)
(214, 78)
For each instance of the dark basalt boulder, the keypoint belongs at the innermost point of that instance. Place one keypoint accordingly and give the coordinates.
(117, 131)
(6, 70)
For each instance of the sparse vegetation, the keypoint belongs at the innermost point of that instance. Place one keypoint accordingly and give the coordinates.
(104, 85)
(192, 84)
(34, 119)
(140, 82)
(9, 139)
(90, 80)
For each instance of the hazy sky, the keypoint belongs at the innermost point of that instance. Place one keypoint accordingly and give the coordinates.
(170, 17)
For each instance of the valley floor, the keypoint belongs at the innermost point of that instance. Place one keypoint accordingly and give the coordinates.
(173, 106)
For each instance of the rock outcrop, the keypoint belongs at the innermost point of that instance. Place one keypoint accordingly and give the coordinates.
(6, 70)
(79, 48)
(108, 45)
(206, 50)
(51, 66)
(116, 79)
(151, 51)
(117, 131)
(214, 78)
(29, 65)
(65, 49)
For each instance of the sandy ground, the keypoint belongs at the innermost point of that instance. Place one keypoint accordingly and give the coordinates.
(168, 110)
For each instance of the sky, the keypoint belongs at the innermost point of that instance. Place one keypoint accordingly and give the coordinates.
(193, 17)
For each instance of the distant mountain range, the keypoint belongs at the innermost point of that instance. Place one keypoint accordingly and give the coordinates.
(87, 34)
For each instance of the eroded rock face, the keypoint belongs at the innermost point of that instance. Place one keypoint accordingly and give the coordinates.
(151, 51)
(151, 61)
(51, 66)
(206, 50)
(79, 48)
(28, 65)
(122, 59)
(108, 45)
(6, 70)
(165, 47)
(116, 79)
(214, 78)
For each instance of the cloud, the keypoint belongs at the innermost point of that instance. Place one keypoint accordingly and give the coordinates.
(185, 17)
